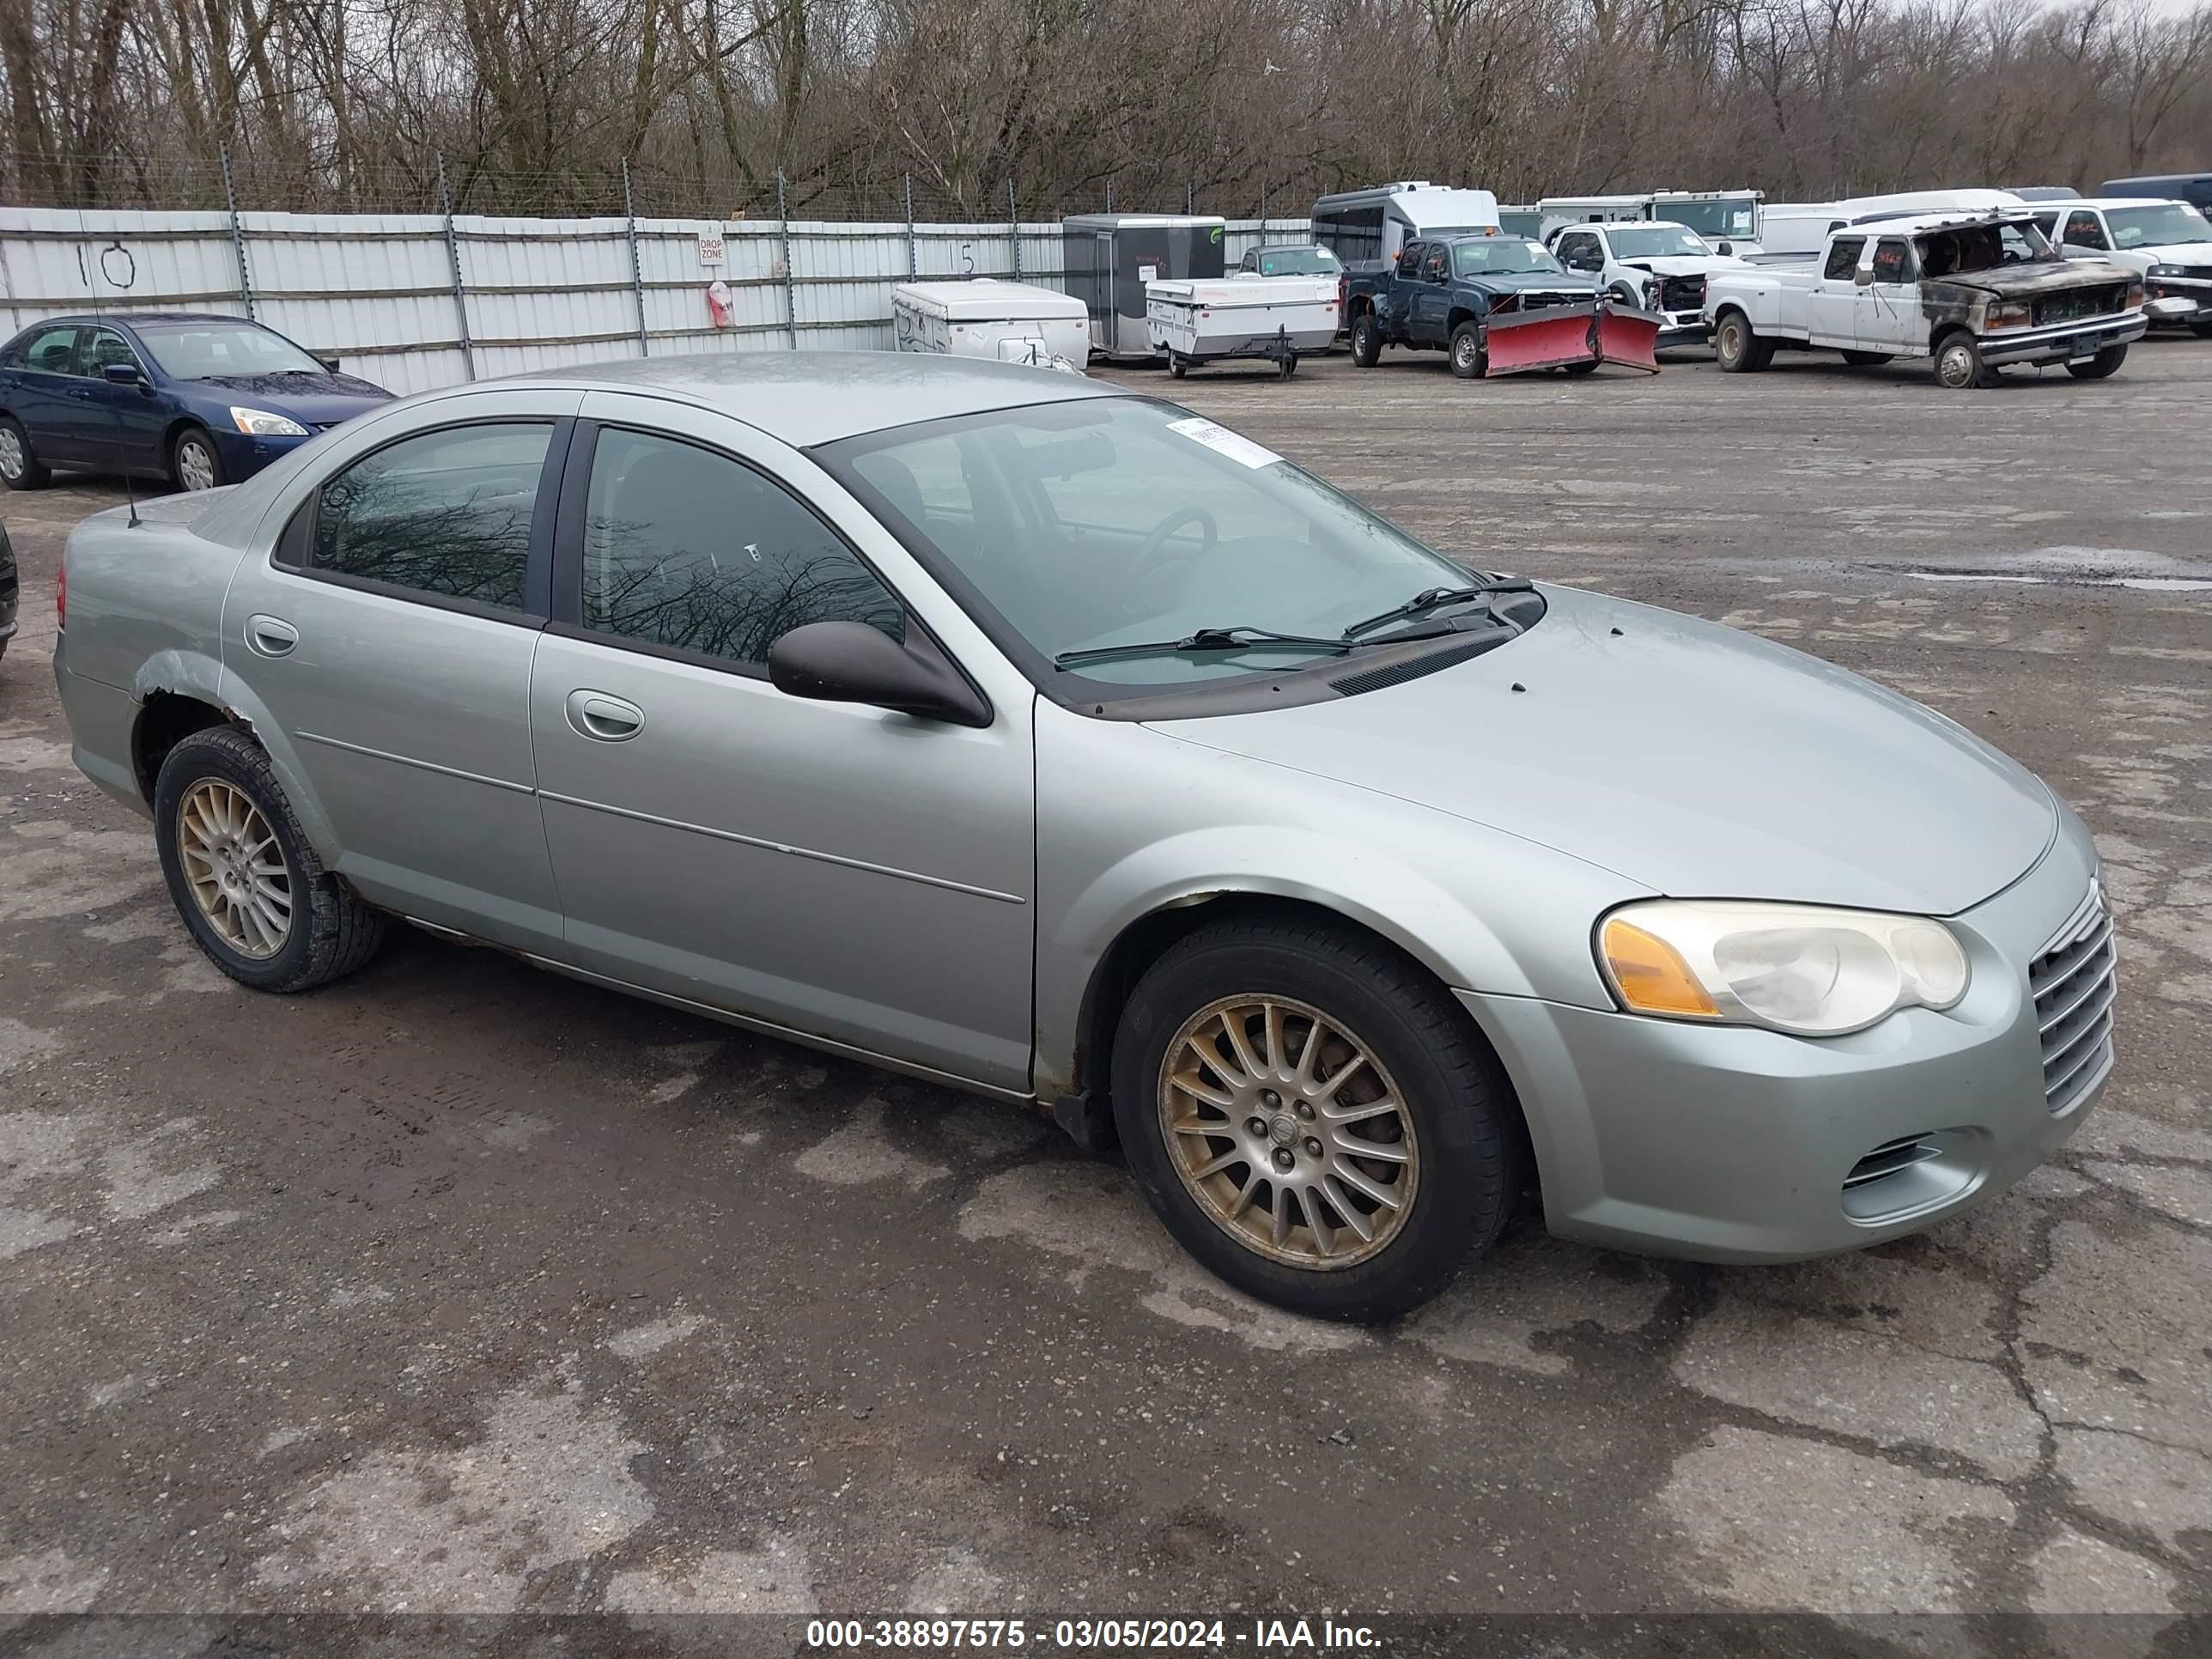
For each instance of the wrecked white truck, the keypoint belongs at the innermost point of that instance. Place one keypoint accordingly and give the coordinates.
(1972, 291)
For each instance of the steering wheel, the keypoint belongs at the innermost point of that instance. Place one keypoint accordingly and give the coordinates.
(1152, 555)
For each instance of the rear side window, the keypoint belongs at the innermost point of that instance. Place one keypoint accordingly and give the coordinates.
(1843, 256)
(50, 350)
(1409, 262)
(690, 549)
(1436, 265)
(444, 513)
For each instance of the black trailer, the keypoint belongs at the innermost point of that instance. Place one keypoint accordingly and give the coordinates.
(1107, 258)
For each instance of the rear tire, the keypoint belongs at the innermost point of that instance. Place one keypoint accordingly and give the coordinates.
(19, 466)
(1737, 348)
(1177, 366)
(2201, 329)
(1448, 1177)
(1959, 362)
(193, 462)
(227, 832)
(1867, 359)
(1469, 358)
(1366, 340)
(1590, 367)
(2105, 363)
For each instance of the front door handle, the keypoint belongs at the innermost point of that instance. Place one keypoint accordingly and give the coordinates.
(270, 636)
(603, 719)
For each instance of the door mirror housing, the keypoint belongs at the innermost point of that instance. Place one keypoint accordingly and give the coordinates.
(329, 362)
(1863, 275)
(852, 662)
(122, 375)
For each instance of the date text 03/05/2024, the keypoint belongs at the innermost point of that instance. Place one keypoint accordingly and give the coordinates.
(1266, 1636)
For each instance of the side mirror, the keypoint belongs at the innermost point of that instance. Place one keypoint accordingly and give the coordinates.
(121, 374)
(852, 662)
(1864, 276)
(1724, 247)
(330, 363)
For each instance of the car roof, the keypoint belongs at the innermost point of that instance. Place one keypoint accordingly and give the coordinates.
(109, 318)
(2120, 202)
(1908, 223)
(808, 397)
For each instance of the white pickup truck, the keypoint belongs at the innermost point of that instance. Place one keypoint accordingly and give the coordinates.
(1973, 291)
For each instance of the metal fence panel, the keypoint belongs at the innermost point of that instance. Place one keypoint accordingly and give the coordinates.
(379, 290)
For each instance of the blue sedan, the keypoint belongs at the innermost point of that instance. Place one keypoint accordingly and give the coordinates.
(200, 400)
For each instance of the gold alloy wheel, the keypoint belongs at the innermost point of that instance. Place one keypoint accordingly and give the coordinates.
(235, 868)
(1288, 1132)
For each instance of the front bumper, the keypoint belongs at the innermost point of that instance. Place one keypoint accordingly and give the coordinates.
(1732, 1144)
(243, 456)
(2061, 341)
(2178, 299)
(1684, 328)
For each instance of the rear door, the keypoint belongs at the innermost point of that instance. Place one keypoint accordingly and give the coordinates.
(832, 869)
(1832, 307)
(390, 633)
(43, 377)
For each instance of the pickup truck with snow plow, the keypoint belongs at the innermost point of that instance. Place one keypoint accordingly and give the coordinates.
(1499, 305)
(1974, 292)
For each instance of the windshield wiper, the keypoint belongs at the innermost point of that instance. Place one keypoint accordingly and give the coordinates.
(1206, 639)
(1430, 598)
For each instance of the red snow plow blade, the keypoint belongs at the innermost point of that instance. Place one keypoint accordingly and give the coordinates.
(1549, 338)
(1628, 336)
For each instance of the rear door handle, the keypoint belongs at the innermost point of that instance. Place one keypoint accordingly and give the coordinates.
(603, 718)
(270, 636)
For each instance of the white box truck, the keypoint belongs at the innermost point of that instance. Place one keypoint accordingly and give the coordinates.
(1009, 322)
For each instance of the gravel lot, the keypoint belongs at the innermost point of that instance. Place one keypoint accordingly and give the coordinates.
(461, 1288)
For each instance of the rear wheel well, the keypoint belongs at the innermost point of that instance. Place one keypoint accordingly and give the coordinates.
(167, 719)
(1145, 941)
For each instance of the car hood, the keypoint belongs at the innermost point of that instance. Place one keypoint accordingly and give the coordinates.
(2197, 255)
(1695, 760)
(2040, 276)
(313, 399)
(1684, 265)
(1538, 282)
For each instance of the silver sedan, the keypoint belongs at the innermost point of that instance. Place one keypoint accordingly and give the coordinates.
(1045, 739)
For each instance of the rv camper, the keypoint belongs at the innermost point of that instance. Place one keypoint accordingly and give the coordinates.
(1366, 228)
(1010, 322)
(1107, 258)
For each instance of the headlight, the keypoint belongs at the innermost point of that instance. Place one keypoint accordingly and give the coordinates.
(1793, 967)
(2166, 270)
(2008, 313)
(260, 423)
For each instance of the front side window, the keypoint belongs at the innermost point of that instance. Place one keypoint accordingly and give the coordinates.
(688, 549)
(445, 513)
(212, 350)
(1580, 251)
(2083, 231)
(1843, 258)
(1893, 260)
(105, 346)
(1112, 520)
(2163, 226)
(1655, 242)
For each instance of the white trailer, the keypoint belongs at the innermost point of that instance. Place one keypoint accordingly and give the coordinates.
(1010, 322)
(1275, 317)
(1798, 230)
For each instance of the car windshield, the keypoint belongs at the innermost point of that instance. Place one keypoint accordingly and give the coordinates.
(2161, 226)
(1113, 521)
(1729, 216)
(1297, 262)
(1502, 256)
(1982, 247)
(202, 351)
(1654, 241)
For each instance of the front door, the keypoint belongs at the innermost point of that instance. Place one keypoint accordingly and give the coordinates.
(390, 633)
(833, 869)
(122, 423)
(1832, 307)
(1889, 318)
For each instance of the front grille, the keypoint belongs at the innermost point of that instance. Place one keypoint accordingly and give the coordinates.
(2073, 984)
(1893, 1158)
(2080, 303)
(1682, 293)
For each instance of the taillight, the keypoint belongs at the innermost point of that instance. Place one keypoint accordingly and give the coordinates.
(61, 596)
(1343, 289)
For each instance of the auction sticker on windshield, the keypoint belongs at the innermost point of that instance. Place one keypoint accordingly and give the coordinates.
(1220, 437)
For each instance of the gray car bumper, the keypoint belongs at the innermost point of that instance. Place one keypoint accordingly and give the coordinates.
(2064, 341)
(1729, 1144)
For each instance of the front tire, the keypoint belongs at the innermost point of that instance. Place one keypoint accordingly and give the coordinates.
(1366, 340)
(19, 466)
(1736, 348)
(2105, 363)
(2201, 329)
(1469, 358)
(250, 888)
(1314, 1118)
(1958, 363)
(1177, 366)
(193, 462)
